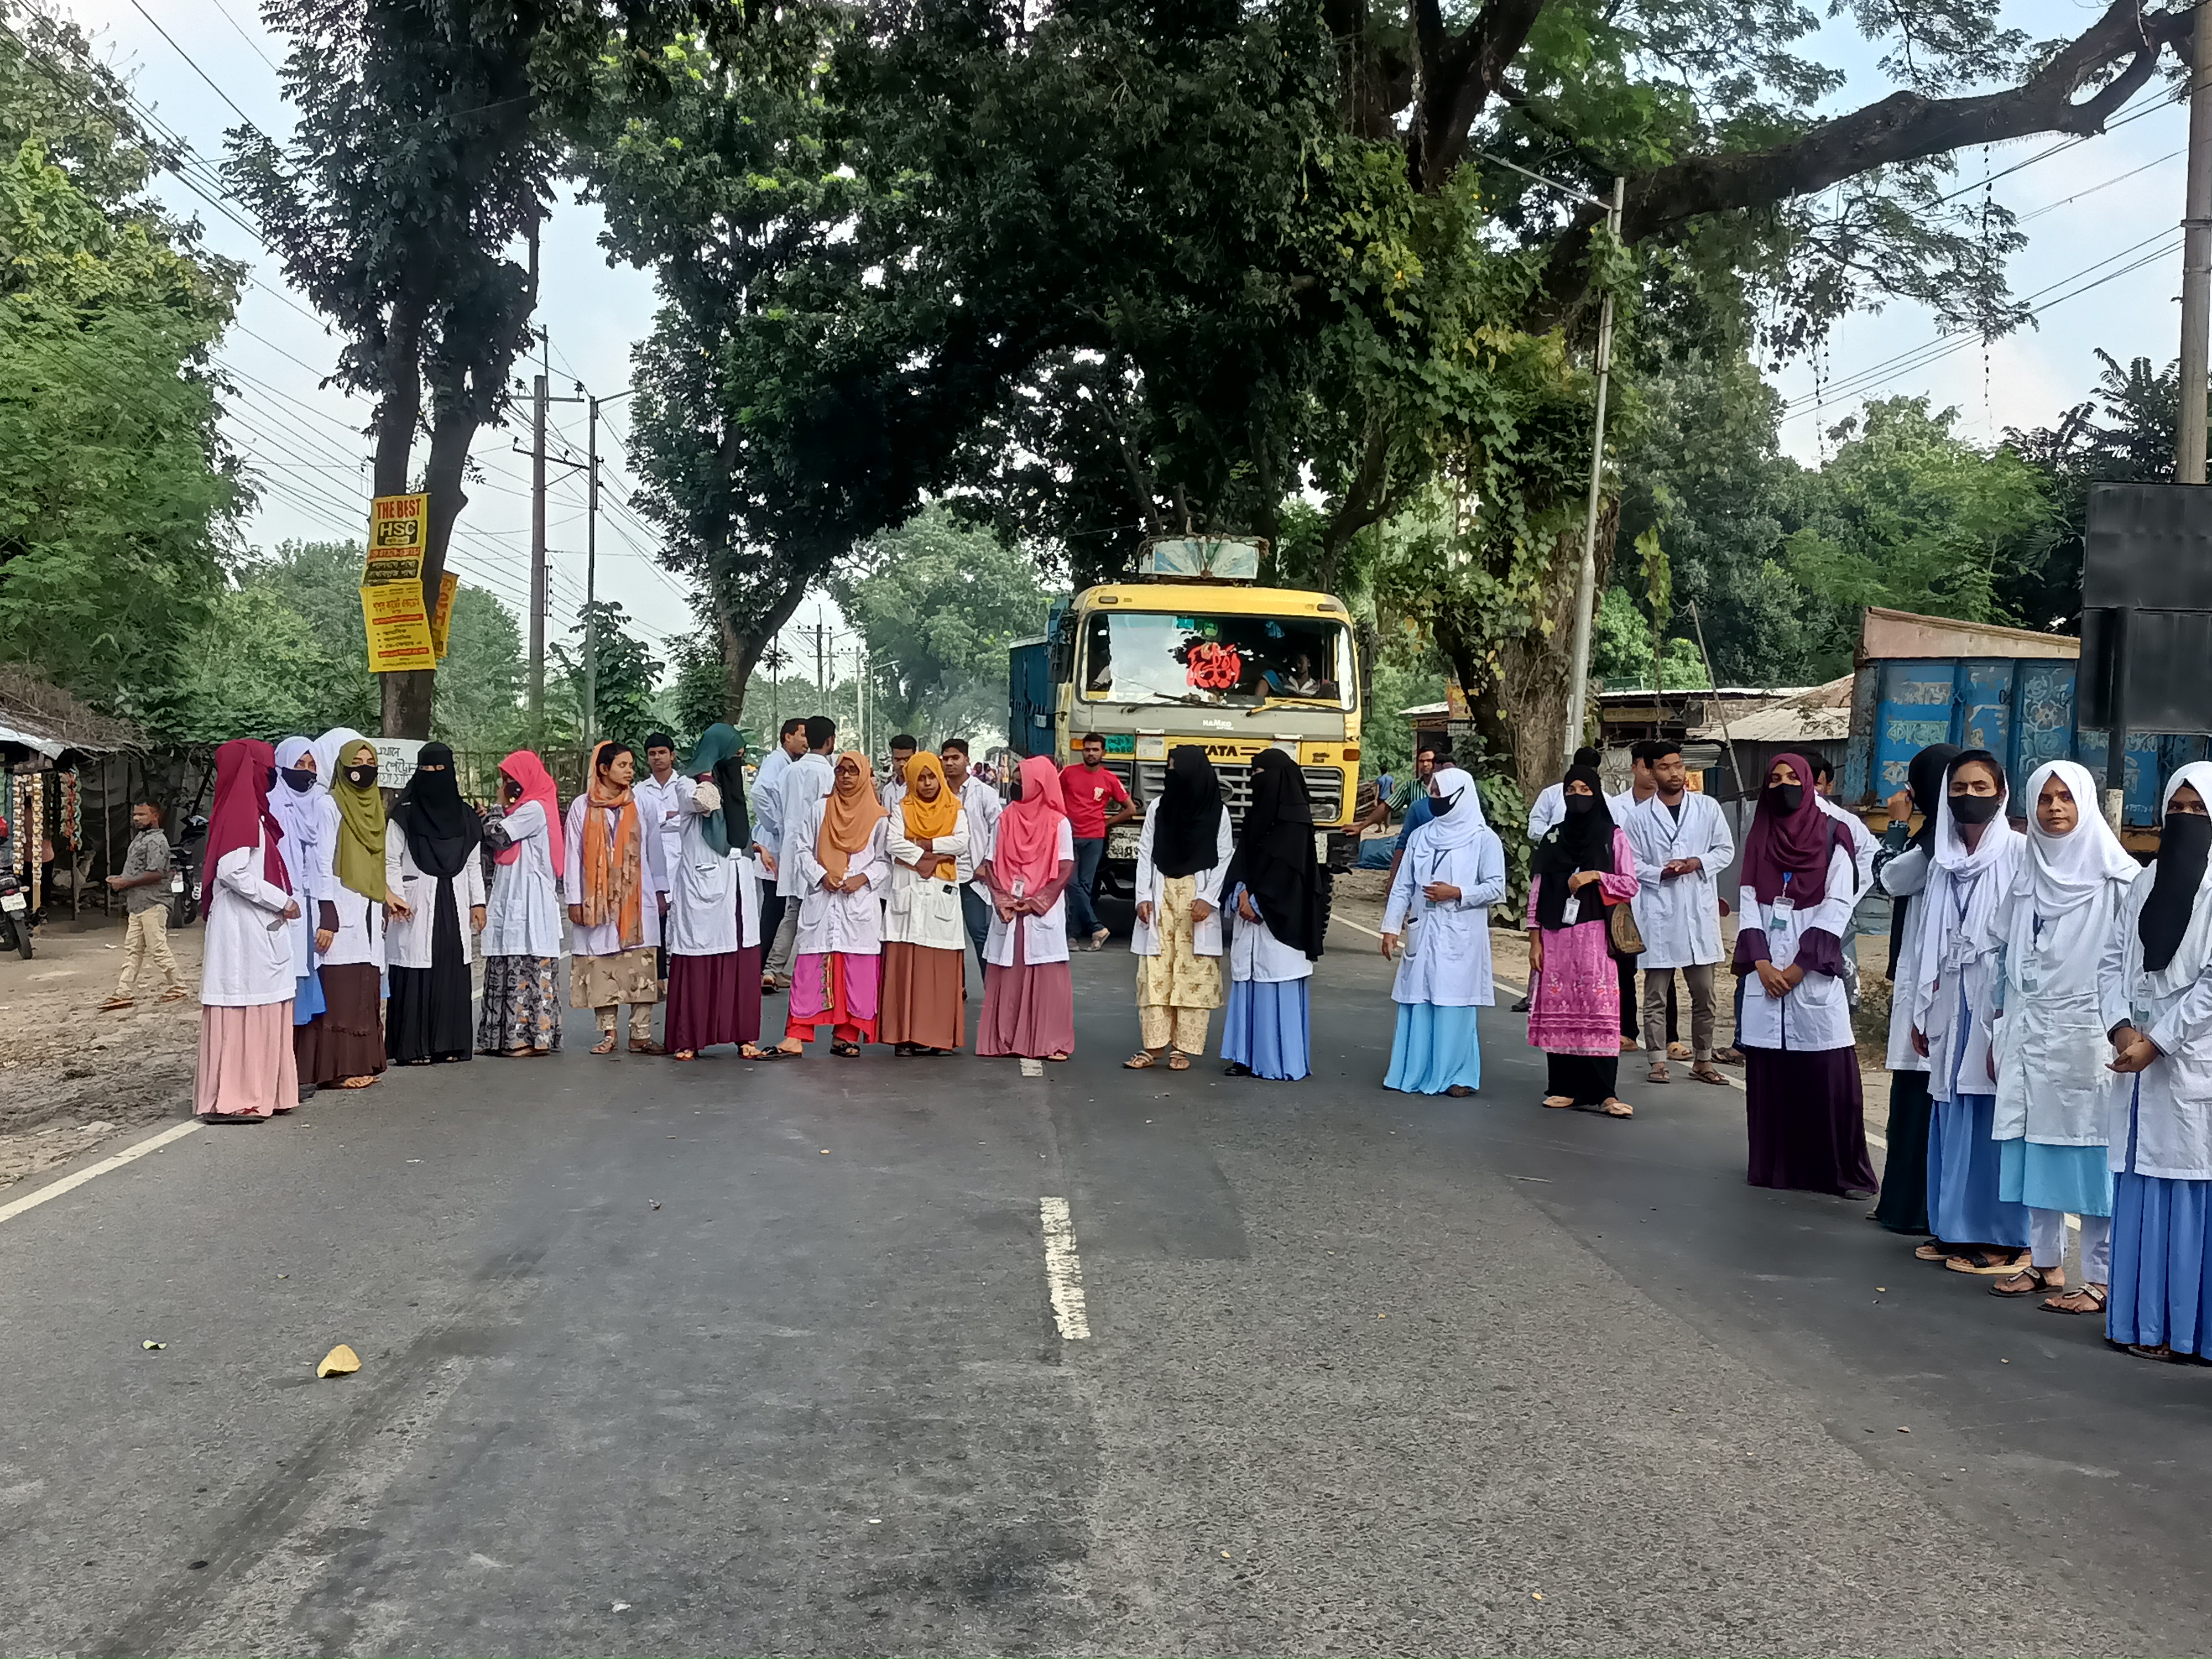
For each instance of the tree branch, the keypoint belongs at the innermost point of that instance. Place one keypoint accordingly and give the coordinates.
(1454, 78)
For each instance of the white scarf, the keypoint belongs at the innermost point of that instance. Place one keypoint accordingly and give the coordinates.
(2065, 873)
(1948, 941)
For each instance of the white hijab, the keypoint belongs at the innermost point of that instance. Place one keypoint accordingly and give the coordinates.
(2064, 872)
(1949, 942)
(327, 748)
(1459, 827)
(295, 809)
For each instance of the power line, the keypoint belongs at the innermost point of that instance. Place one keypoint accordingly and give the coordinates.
(196, 69)
(252, 44)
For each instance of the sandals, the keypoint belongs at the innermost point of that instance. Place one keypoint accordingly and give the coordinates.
(1657, 1073)
(846, 1050)
(1709, 1073)
(647, 1047)
(683, 1054)
(1140, 1061)
(1678, 1051)
(1934, 1250)
(1460, 1092)
(1178, 1061)
(357, 1082)
(1237, 1068)
(605, 1045)
(2159, 1352)
(2093, 1296)
(1557, 1103)
(1986, 1265)
(1057, 1059)
(1730, 1056)
(2026, 1282)
(116, 1005)
(175, 994)
(1617, 1109)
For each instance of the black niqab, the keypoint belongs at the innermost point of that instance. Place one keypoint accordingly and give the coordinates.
(443, 834)
(1186, 828)
(1274, 858)
(1923, 778)
(1581, 840)
(2183, 845)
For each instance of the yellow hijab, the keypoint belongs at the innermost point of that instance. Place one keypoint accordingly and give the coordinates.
(850, 816)
(931, 820)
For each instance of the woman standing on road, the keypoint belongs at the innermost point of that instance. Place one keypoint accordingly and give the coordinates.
(713, 909)
(2157, 982)
(1453, 871)
(925, 940)
(522, 1004)
(840, 843)
(2049, 1035)
(1803, 1107)
(1273, 891)
(310, 821)
(433, 864)
(1583, 865)
(1977, 854)
(1183, 854)
(348, 1040)
(1029, 994)
(246, 1067)
(613, 882)
(1903, 1206)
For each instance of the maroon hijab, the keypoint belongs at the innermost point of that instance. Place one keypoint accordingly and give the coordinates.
(1785, 842)
(240, 815)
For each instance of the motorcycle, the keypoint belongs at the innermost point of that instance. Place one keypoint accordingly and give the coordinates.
(186, 893)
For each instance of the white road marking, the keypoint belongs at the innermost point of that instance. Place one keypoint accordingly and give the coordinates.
(1063, 1271)
(1032, 1068)
(70, 1184)
(1359, 927)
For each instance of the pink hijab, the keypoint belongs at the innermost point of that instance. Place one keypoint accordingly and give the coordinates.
(1029, 829)
(526, 769)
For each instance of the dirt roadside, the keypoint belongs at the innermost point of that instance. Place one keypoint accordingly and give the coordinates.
(72, 1077)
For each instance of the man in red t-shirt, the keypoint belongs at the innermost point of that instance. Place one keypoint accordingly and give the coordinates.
(1089, 789)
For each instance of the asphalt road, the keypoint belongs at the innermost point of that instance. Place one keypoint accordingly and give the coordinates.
(731, 1359)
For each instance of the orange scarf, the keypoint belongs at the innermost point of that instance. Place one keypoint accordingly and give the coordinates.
(613, 865)
(850, 816)
(931, 820)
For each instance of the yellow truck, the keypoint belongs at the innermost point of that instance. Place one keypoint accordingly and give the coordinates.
(1193, 651)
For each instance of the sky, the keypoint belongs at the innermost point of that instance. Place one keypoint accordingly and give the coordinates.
(2091, 210)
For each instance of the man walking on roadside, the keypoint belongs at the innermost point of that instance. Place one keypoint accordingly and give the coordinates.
(765, 800)
(812, 776)
(1088, 788)
(144, 884)
(982, 804)
(1682, 844)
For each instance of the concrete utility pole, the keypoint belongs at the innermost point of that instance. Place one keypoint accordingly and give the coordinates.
(590, 574)
(538, 571)
(1586, 579)
(2196, 263)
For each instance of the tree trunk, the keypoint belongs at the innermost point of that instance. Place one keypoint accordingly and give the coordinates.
(409, 698)
(745, 642)
(1530, 690)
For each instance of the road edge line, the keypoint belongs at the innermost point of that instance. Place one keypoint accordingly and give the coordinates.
(1063, 1270)
(71, 1183)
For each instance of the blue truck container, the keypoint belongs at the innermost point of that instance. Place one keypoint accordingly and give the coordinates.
(1926, 679)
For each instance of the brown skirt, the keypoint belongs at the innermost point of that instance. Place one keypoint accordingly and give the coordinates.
(347, 1038)
(713, 999)
(923, 996)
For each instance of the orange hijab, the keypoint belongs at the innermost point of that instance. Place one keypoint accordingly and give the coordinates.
(850, 816)
(614, 875)
(931, 820)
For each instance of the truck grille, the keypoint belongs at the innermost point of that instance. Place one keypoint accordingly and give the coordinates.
(1324, 784)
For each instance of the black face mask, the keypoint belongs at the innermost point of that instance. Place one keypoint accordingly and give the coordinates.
(1974, 809)
(1580, 803)
(362, 777)
(1787, 796)
(1441, 805)
(299, 778)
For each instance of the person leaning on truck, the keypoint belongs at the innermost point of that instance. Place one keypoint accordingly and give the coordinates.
(1089, 789)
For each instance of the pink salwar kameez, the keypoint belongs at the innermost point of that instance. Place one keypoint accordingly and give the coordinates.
(1574, 1005)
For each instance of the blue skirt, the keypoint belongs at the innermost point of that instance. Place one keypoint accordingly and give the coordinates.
(1269, 1027)
(307, 1000)
(2161, 1283)
(1435, 1049)
(2076, 1178)
(1963, 1204)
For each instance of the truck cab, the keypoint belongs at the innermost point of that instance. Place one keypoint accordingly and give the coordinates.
(1201, 658)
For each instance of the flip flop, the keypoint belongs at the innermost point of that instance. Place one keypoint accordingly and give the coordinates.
(1709, 1074)
(1617, 1109)
(2095, 1293)
(1658, 1074)
(1985, 1265)
(1138, 1062)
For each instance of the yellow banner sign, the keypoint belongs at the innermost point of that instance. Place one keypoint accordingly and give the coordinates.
(398, 627)
(441, 619)
(399, 536)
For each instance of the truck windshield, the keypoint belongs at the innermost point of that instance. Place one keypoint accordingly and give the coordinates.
(1216, 660)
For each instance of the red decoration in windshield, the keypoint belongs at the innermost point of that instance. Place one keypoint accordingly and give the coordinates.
(1215, 667)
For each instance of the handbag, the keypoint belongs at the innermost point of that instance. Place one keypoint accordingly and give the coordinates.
(1621, 931)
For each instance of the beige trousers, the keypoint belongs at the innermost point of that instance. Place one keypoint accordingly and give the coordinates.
(1181, 1028)
(146, 939)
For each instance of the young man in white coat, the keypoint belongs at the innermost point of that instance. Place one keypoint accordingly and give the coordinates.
(1682, 844)
(807, 782)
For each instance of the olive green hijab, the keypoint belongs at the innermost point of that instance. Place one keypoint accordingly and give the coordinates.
(361, 814)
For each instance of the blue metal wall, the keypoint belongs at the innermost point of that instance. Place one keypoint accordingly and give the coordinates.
(2022, 709)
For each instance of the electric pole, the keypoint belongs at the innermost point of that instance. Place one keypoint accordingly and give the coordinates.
(1586, 578)
(2195, 263)
(538, 578)
(590, 572)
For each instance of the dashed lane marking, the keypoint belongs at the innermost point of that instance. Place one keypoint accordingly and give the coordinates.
(70, 1184)
(1063, 1270)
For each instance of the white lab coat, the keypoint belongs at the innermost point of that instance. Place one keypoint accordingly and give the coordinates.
(662, 804)
(982, 805)
(1864, 845)
(1815, 1017)
(246, 952)
(309, 867)
(1151, 886)
(1905, 876)
(1680, 917)
(2170, 1100)
(805, 786)
(360, 937)
(1953, 1012)
(2049, 1036)
(605, 939)
(408, 940)
(1445, 958)
(848, 924)
(1045, 938)
(714, 898)
(922, 909)
(766, 801)
(1551, 808)
(523, 918)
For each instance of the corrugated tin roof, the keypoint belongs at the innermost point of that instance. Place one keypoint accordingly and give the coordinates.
(50, 747)
(1822, 714)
